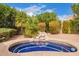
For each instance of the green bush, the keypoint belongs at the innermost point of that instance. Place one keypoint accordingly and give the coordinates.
(54, 27)
(75, 26)
(30, 31)
(6, 33)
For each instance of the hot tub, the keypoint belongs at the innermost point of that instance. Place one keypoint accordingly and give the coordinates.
(32, 46)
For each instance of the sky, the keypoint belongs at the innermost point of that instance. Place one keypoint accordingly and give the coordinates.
(63, 10)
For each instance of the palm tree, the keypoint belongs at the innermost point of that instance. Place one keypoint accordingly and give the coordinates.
(75, 9)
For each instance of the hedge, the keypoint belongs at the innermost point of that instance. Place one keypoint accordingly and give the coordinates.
(6, 33)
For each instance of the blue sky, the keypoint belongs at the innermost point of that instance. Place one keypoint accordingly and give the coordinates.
(61, 9)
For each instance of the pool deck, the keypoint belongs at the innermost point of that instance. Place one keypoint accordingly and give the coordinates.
(68, 38)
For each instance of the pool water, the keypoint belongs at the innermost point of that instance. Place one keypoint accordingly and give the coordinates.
(41, 46)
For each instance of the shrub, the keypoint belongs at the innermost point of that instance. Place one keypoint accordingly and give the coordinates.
(31, 28)
(54, 27)
(41, 26)
(67, 27)
(75, 26)
(30, 31)
(6, 33)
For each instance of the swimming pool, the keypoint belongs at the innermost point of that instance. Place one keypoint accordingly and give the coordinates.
(33, 46)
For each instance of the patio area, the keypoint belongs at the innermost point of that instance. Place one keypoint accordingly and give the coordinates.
(72, 39)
